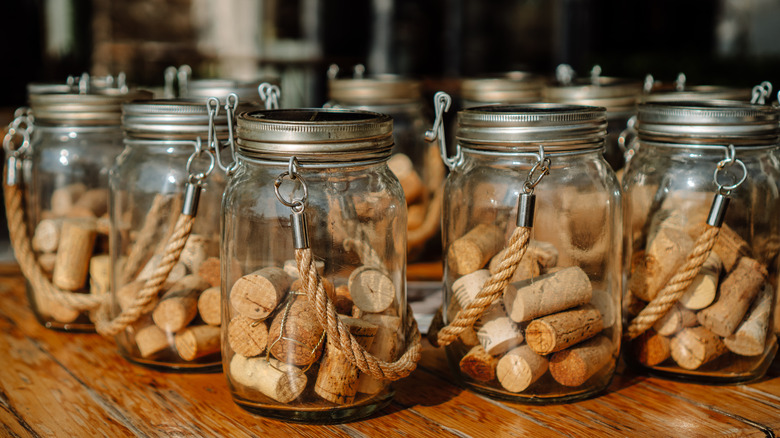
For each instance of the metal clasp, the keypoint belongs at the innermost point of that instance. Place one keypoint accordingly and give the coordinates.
(526, 203)
(21, 126)
(212, 107)
(679, 83)
(595, 74)
(297, 218)
(626, 139)
(441, 103)
(564, 74)
(269, 94)
(761, 92)
(196, 180)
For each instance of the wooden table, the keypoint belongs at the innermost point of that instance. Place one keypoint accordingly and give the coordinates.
(76, 385)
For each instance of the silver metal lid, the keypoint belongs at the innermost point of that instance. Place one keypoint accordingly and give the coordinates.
(508, 88)
(714, 122)
(697, 93)
(102, 108)
(316, 134)
(375, 90)
(616, 94)
(221, 88)
(556, 126)
(170, 120)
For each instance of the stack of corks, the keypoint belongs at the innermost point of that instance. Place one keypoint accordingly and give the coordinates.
(185, 318)
(725, 310)
(71, 244)
(546, 319)
(280, 350)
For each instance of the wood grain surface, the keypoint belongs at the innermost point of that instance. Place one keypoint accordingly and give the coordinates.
(59, 384)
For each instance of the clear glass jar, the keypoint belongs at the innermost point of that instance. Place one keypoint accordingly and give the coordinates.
(515, 87)
(618, 95)
(527, 346)
(717, 329)
(75, 140)
(279, 360)
(179, 327)
(415, 161)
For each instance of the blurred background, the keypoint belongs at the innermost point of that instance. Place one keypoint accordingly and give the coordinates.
(718, 42)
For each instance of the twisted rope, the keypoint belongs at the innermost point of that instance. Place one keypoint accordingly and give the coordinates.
(173, 248)
(28, 263)
(677, 285)
(339, 335)
(466, 317)
(147, 236)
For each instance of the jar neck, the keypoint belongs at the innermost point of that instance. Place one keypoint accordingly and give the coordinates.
(648, 146)
(315, 165)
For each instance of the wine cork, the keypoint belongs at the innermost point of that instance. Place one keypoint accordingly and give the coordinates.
(99, 274)
(574, 366)
(209, 270)
(247, 337)
(676, 319)
(295, 336)
(738, 290)
(701, 293)
(291, 268)
(528, 267)
(730, 247)
(47, 261)
(277, 380)
(47, 235)
(555, 332)
(195, 252)
(179, 305)
(519, 368)
(550, 293)
(479, 365)
(468, 336)
(257, 294)
(197, 341)
(178, 271)
(337, 378)
(93, 200)
(496, 332)
(651, 348)
(750, 337)
(544, 255)
(663, 255)
(466, 288)
(75, 250)
(209, 303)
(151, 340)
(343, 300)
(474, 249)
(695, 346)
(632, 304)
(127, 293)
(385, 347)
(371, 289)
(103, 225)
(64, 198)
(54, 309)
(401, 165)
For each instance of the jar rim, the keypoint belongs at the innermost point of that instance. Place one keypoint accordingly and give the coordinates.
(556, 126)
(170, 119)
(709, 122)
(512, 86)
(615, 94)
(374, 90)
(88, 109)
(317, 134)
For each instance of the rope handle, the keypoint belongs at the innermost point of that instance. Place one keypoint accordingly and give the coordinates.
(677, 284)
(341, 338)
(106, 326)
(493, 287)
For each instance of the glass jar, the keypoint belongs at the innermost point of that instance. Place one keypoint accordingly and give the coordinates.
(75, 139)
(179, 84)
(550, 331)
(415, 162)
(515, 87)
(618, 95)
(713, 267)
(168, 143)
(331, 166)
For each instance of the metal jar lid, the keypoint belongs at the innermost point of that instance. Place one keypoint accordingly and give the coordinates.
(615, 94)
(556, 126)
(315, 135)
(103, 108)
(170, 120)
(376, 90)
(247, 91)
(714, 122)
(698, 93)
(508, 88)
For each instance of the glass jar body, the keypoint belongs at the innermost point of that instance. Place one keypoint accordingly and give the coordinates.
(669, 190)
(66, 190)
(277, 359)
(573, 256)
(179, 328)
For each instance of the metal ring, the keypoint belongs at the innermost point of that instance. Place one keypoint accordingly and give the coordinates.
(297, 205)
(199, 177)
(726, 163)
